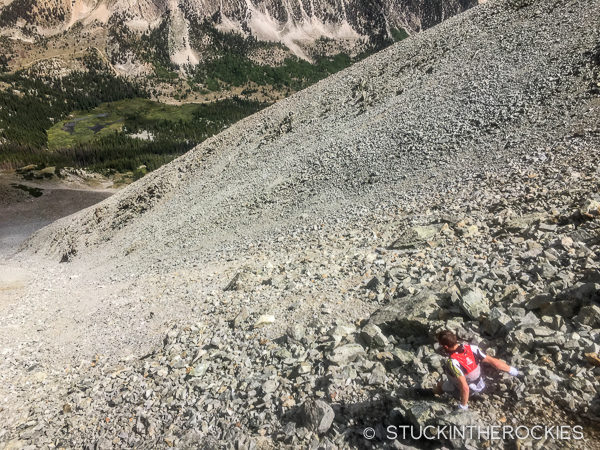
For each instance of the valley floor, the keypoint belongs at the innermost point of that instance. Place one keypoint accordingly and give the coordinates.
(27, 206)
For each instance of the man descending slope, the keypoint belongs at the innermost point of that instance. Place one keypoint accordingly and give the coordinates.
(463, 368)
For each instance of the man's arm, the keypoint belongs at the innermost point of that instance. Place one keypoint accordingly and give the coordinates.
(463, 387)
(498, 364)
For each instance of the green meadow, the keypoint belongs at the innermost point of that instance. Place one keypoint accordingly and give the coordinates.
(109, 118)
(125, 134)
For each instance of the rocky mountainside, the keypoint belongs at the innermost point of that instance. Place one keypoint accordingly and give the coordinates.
(304, 27)
(280, 285)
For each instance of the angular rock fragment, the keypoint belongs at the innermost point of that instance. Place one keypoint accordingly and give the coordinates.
(295, 332)
(346, 353)
(590, 208)
(520, 224)
(589, 315)
(316, 415)
(474, 304)
(593, 359)
(408, 316)
(373, 336)
(241, 317)
(461, 420)
(264, 320)
(415, 236)
(242, 281)
(497, 322)
(378, 375)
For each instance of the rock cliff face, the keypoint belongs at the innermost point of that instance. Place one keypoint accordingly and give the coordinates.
(294, 23)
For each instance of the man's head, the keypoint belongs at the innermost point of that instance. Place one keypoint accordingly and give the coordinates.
(447, 340)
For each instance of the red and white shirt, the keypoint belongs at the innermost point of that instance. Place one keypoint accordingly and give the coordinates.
(467, 363)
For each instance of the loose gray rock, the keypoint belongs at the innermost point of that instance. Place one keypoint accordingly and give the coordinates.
(439, 125)
(497, 322)
(317, 415)
(296, 332)
(346, 353)
(474, 304)
(373, 336)
(589, 315)
(241, 317)
(408, 316)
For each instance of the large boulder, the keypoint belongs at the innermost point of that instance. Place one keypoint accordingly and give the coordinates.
(590, 208)
(415, 236)
(527, 320)
(408, 316)
(582, 293)
(474, 304)
(316, 415)
(522, 223)
(568, 302)
(345, 354)
(520, 339)
(461, 420)
(497, 323)
(373, 336)
(589, 315)
(421, 413)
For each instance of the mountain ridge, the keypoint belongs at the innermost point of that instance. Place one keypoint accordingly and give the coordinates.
(297, 25)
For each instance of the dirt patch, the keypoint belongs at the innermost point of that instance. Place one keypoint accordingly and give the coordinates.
(12, 280)
(26, 207)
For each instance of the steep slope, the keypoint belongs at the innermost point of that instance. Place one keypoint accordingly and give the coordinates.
(372, 133)
(303, 259)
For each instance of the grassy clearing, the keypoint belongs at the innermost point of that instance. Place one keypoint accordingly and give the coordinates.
(82, 128)
(103, 138)
(121, 116)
